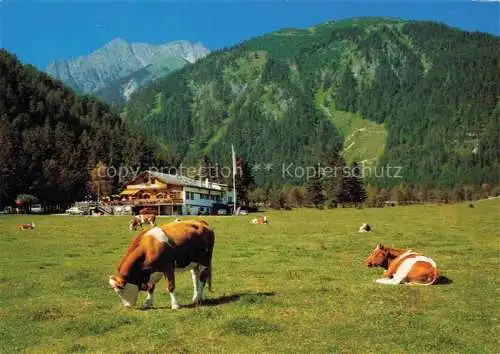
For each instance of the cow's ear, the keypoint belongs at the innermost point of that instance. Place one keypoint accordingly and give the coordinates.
(380, 247)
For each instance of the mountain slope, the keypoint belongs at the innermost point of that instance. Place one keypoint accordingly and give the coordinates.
(419, 95)
(51, 138)
(114, 71)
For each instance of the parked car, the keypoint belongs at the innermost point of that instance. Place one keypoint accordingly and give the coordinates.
(36, 208)
(7, 210)
(75, 211)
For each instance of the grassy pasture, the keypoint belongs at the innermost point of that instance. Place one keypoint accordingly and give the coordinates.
(294, 285)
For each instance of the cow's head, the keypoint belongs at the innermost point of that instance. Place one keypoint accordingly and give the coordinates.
(378, 257)
(127, 292)
(128, 288)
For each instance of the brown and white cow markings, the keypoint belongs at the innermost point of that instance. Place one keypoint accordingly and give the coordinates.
(166, 250)
(403, 266)
(26, 226)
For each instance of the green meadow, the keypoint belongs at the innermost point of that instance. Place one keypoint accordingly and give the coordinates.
(296, 285)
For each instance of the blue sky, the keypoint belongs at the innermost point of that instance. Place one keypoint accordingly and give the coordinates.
(42, 31)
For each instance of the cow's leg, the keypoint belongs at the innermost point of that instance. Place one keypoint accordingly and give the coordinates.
(390, 272)
(389, 281)
(392, 278)
(395, 278)
(195, 275)
(153, 279)
(148, 302)
(204, 275)
(169, 274)
(174, 304)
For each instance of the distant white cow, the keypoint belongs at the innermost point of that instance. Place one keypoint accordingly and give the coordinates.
(365, 228)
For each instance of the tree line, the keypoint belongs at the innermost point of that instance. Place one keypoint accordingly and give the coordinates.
(347, 189)
(290, 196)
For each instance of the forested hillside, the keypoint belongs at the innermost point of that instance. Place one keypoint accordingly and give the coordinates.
(51, 139)
(420, 95)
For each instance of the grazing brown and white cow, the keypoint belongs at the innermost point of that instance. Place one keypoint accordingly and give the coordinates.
(140, 220)
(26, 226)
(164, 251)
(403, 266)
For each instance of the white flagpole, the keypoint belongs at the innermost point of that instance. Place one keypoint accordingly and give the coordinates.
(234, 178)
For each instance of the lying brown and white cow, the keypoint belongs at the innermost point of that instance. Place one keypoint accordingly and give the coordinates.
(259, 220)
(403, 266)
(139, 220)
(26, 226)
(164, 251)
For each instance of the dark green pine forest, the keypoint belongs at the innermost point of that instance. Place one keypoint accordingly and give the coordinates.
(420, 95)
(51, 139)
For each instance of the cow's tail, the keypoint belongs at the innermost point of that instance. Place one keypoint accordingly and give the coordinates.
(436, 276)
(209, 281)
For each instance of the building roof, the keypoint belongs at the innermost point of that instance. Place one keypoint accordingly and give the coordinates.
(129, 192)
(185, 181)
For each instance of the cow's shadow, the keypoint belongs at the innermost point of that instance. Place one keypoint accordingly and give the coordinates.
(249, 297)
(226, 299)
(442, 280)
